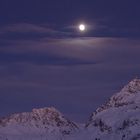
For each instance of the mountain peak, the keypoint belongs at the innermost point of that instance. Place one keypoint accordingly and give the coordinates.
(45, 109)
(130, 94)
(51, 111)
(118, 118)
(133, 86)
(47, 118)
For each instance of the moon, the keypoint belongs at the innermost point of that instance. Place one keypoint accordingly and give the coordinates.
(82, 27)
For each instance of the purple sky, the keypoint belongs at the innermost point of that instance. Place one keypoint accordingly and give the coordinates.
(45, 61)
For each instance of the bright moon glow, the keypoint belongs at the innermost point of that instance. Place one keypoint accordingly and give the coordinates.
(81, 27)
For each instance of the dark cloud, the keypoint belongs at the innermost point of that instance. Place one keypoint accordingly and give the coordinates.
(25, 27)
(30, 31)
(97, 28)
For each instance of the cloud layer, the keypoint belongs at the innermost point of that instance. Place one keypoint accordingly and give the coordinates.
(41, 66)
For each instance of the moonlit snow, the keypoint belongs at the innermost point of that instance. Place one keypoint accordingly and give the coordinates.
(117, 119)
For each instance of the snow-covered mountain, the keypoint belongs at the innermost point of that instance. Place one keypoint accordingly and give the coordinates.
(117, 119)
(40, 124)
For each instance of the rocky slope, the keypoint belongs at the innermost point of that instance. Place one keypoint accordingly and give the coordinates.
(44, 123)
(119, 118)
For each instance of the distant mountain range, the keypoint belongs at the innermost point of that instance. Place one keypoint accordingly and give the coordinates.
(117, 119)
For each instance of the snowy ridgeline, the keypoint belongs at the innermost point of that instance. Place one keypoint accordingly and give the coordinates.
(117, 119)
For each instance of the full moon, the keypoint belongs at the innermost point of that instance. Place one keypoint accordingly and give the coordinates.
(81, 27)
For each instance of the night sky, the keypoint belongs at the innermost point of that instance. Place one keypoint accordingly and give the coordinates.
(46, 61)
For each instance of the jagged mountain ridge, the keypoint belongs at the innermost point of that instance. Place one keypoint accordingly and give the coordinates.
(117, 119)
(40, 121)
(124, 97)
(44, 116)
